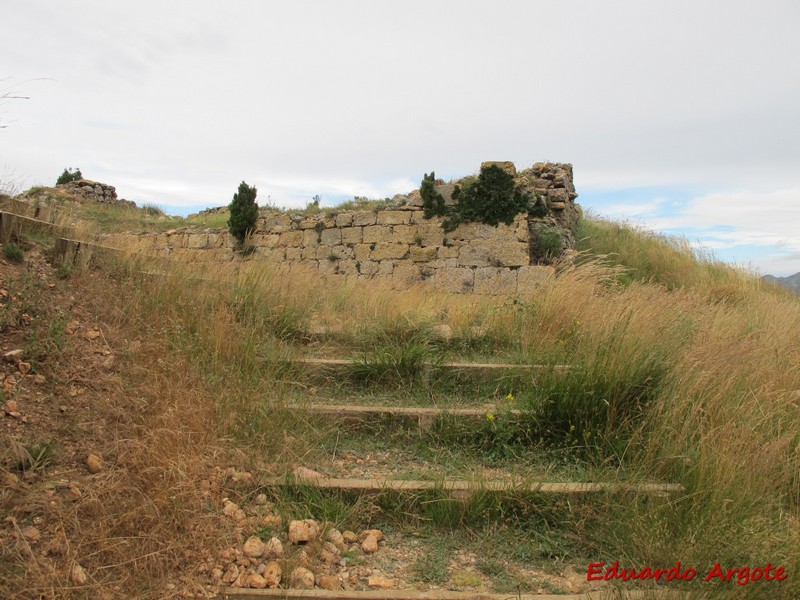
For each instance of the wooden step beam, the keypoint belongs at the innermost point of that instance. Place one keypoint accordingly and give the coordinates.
(408, 594)
(345, 362)
(457, 485)
(413, 412)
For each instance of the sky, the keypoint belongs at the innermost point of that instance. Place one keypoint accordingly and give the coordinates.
(678, 116)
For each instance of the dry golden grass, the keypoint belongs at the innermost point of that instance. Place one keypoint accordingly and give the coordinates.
(709, 355)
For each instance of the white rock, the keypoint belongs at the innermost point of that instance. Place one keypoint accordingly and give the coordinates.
(254, 547)
(302, 578)
(303, 531)
(78, 575)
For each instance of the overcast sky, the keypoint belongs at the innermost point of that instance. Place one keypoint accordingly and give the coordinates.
(683, 116)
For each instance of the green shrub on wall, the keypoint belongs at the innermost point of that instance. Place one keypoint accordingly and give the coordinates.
(243, 212)
(69, 175)
(492, 198)
(432, 201)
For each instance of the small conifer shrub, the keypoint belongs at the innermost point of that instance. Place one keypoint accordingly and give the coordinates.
(432, 201)
(69, 175)
(494, 198)
(243, 212)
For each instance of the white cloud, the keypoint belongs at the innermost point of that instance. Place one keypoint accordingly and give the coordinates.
(177, 102)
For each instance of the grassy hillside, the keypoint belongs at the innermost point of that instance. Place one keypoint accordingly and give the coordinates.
(683, 370)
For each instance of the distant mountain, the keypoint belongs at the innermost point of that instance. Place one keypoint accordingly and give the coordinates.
(791, 282)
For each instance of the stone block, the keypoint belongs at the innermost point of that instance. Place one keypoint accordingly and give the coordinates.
(495, 280)
(364, 217)
(309, 223)
(310, 237)
(447, 252)
(385, 267)
(344, 219)
(557, 198)
(291, 239)
(385, 251)
(423, 254)
(331, 237)
(294, 253)
(506, 166)
(334, 252)
(328, 267)
(367, 268)
(348, 266)
(430, 233)
(530, 277)
(278, 223)
(406, 272)
(476, 231)
(362, 251)
(457, 280)
(394, 217)
(403, 234)
(474, 256)
(266, 241)
(375, 233)
(506, 253)
(352, 235)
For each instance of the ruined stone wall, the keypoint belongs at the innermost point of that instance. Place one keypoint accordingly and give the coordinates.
(398, 244)
(395, 243)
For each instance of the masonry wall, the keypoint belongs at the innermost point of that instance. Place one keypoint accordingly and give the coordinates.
(398, 246)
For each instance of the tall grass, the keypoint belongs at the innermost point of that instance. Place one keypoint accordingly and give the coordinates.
(684, 370)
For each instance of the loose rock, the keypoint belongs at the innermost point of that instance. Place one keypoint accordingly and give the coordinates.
(329, 582)
(370, 544)
(274, 548)
(337, 539)
(303, 531)
(381, 582)
(302, 578)
(256, 581)
(349, 537)
(368, 532)
(32, 534)
(272, 574)
(78, 575)
(94, 463)
(329, 553)
(254, 547)
(14, 355)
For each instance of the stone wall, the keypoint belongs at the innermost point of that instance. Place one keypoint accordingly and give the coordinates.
(397, 244)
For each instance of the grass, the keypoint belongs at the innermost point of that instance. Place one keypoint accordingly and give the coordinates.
(13, 252)
(432, 567)
(685, 372)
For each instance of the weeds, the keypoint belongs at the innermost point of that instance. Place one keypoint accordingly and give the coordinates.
(13, 252)
(35, 456)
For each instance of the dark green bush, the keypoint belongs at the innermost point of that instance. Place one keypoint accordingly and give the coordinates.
(13, 253)
(432, 201)
(69, 175)
(243, 212)
(492, 198)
